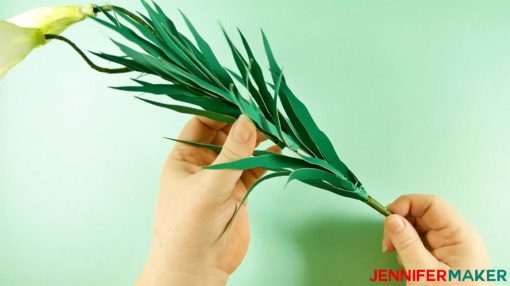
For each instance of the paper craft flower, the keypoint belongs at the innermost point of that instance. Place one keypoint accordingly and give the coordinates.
(17, 43)
(189, 73)
(22, 33)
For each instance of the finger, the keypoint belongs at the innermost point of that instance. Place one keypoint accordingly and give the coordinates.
(239, 144)
(251, 176)
(261, 138)
(387, 246)
(221, 136)
(407, 243)
(258, 172)
(227, 128)
(439, 223)
(198, 129)
(201, 129)
(430, 212)
(239, 191)
(275, 149)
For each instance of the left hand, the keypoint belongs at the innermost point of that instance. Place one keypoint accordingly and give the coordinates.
(190, 245)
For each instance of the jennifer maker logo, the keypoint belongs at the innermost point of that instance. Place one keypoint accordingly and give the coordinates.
(439, 275)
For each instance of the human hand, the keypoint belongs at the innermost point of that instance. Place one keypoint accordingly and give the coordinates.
(190, 245)
(428, 233)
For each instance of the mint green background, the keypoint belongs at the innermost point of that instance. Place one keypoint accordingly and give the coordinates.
(414, 95)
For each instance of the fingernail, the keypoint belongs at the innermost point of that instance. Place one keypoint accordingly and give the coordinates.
(242, 131)
(395, 224)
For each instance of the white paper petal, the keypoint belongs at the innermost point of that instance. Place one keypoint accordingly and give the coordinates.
(53, 20)
(17, 43)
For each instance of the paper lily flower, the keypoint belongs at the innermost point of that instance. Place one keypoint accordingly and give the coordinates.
(22, 33)
(17, 43)
(53, 20)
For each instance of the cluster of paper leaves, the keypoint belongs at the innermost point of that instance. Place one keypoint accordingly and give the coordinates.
(195, 77)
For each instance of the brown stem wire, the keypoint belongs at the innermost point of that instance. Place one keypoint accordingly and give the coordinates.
(97, 9)
(82, 54)
(107, 8)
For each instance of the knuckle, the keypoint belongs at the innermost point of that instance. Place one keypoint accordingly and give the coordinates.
(407, 243)
(229, 154)
(435, 200)
(455, 235)
(407, 197)
(400, 198)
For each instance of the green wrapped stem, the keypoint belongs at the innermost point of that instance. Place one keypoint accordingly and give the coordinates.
(378, 206)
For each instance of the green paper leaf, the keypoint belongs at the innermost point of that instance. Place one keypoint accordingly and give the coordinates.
(189, 110)
(173, 41)
(245, 197)
(241, 63)
(269, 162)
(193, 75)
(263, 96)
(260, 180)
(164, 47)
(208, 53)
(329, 181)
(216, 148)
(300, 118)
(184, 94)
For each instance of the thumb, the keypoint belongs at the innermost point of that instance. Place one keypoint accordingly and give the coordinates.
(407, 243)
(239, 144)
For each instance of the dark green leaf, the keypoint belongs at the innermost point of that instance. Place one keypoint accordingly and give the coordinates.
(263, 96)
(124, 61)
(181, 93)
(300, 118)
(245, 197)
(329, 181)
(270, 162)
(189, 110)
(208, 53)
(216, 148)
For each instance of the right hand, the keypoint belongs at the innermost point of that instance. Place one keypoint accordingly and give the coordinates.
(428, 233)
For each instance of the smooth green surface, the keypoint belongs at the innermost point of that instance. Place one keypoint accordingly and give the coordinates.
(413, 94)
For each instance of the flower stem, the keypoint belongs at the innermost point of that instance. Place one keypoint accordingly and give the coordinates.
(378, 206)
(97, 9)
(82, 54)
(107, 8)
